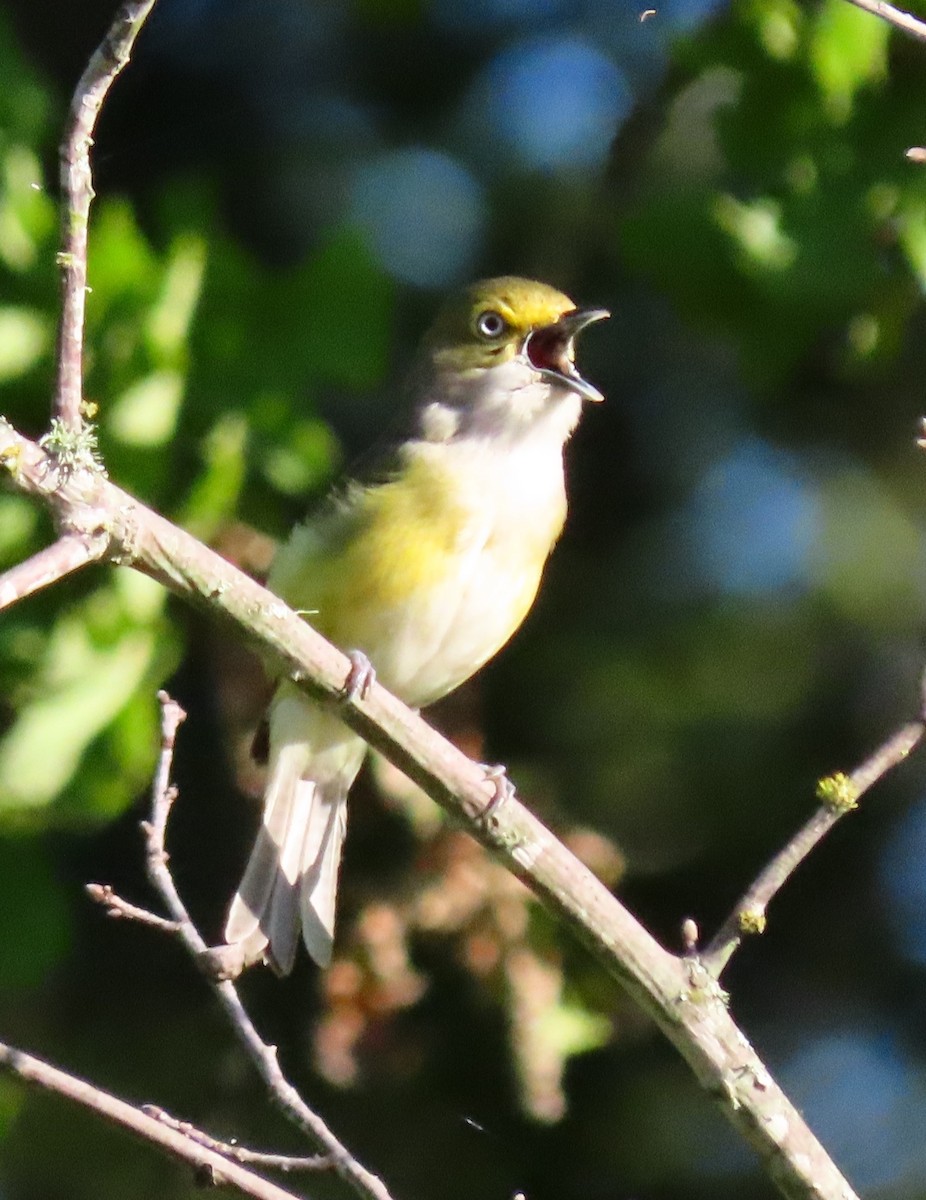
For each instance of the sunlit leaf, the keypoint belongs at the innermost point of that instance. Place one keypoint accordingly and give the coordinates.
(146, 414)
(215, 493)
(27, 214)
(170, 317)
(848, 50)
(98, 654)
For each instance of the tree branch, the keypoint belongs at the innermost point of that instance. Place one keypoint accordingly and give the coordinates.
(67, 555)
(264, 1057)
(122, 910)
(241, 1154)
(77, 194)
(894, 16)
(838, 794)
(209, 1165)
(680, 995)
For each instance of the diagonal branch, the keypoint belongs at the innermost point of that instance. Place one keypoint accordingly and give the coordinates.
(241, 1154)
(65, 556)
(894, 16)
(838, 794)
(264, 1057)
(680, 995)
(77, 195)
(209, 1165)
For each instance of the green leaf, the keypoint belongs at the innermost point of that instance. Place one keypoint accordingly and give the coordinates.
(25, 335)
(146, 414)
(97, 657)
(18, 524)
(848, 50)
(120, 259)
(295, 467)
(169, 321)
(572, 1029)
(27, 215)
(214, 496)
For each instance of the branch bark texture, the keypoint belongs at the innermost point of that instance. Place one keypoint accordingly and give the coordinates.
(680, 994)
(77, 195)
(210, 1166)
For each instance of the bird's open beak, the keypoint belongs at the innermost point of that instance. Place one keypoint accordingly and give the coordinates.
(551, 351)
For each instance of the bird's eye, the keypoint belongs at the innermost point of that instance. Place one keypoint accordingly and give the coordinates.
(491, 324)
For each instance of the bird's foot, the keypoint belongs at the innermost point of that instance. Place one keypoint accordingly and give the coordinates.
(360, 677)
(503, 789)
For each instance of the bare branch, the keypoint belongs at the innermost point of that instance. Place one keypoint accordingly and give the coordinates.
(838, 795)
(255, 1158)
(77, 194)
(679, 994)
(263, 1056)
(205, 1160)
(67, 555)
(120, 909)
(894, 16)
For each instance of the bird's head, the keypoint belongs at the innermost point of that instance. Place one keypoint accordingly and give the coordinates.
(509, 320)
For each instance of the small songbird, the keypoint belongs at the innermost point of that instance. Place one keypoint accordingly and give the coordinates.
(426, 565)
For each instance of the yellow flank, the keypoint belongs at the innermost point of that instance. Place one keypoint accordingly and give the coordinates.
(406, 540)
(390, 540)
(439, 563)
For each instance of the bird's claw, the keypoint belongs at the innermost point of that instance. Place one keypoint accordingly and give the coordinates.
(360, 677)
(503, 789)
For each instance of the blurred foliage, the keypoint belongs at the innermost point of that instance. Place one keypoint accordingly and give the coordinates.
(737, 607)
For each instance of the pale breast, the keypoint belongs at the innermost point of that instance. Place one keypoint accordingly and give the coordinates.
(505, 512)
(433, 572)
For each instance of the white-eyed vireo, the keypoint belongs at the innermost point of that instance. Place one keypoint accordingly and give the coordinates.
(426, 565)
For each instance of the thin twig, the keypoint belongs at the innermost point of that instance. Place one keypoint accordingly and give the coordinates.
(209, 1166)
(121, 909)
(77, 195)
(263, 1056)
(839, 794)
(256, 1158)
(894, 16)
(65, 556)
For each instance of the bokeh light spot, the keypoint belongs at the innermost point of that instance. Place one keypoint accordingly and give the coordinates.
(551, 103)
(902, 880)
(862, 1096)
(423, 213)
(753, 521)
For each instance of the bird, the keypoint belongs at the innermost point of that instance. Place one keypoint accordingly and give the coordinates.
(421, 567)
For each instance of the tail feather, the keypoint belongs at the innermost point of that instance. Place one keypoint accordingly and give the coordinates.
(260, 876)
(292, 874)
(320, 880)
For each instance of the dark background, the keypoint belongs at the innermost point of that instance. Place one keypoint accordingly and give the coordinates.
(736, 609)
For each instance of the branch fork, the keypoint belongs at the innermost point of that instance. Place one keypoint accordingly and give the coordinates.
(99, 522)
(178, 924)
